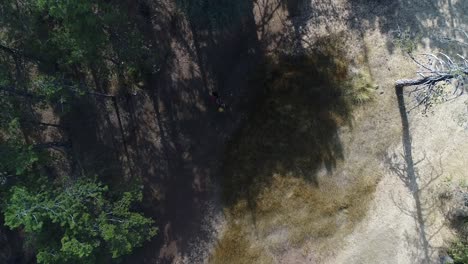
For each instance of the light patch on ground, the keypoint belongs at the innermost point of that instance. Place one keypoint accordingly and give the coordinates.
(391, 233)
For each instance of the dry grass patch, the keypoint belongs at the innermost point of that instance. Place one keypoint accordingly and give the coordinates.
(290, 212)
(236, 247)
(310, 212)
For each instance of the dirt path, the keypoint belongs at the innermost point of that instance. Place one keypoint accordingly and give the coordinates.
(176, 136)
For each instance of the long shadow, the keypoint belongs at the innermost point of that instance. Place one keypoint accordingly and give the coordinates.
(298, 11)
(408, 174)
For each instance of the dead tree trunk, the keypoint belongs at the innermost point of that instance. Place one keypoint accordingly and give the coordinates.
(422, 81)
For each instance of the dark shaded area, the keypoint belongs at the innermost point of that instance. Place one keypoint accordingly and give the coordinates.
(293, 129)
(94, 139)
(459, 222)
(11, 245)
(215, 15)
(176, 136)
(299, 12)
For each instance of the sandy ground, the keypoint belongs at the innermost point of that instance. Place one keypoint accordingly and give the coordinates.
(394, 231)
(406, 222)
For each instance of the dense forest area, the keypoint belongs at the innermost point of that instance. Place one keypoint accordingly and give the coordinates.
(219, 131)
(57, 59)
(74, 77)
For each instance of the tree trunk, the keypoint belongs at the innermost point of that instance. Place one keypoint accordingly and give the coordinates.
(424, 80)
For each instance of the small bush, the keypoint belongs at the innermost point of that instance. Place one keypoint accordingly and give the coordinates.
(459, 252)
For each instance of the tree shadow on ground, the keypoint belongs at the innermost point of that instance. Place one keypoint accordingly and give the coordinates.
(293, 130)
(428, 24)
(408, 173)
(96, 144)
(298, 11)
(434, 19)
(176, 136)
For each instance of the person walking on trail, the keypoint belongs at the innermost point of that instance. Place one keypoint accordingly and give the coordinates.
(219, 103)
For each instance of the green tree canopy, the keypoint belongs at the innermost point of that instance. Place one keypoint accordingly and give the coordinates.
(51, 52)
(79, 223)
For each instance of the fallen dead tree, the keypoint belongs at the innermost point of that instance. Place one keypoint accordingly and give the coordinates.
(441, 79)
(437, 71)
(437, 68)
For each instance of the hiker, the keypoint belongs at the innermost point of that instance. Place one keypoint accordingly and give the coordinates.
(221, 105)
